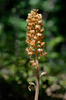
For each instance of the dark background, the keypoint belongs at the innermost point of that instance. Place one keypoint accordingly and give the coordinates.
(15, 69)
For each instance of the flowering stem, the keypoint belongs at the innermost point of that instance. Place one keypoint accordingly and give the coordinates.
(36, 90)
(37, 75)
(35, 41)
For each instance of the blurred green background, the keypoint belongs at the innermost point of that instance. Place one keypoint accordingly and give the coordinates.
(15, 69)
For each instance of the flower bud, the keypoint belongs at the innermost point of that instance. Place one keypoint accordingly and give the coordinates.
(42, 30)
(32, 31)
(43, 43)
(39, 34)
(44, 54)
(30, 53)
(33, 19)
(35, 38)
(32, 61)
(40, 50)
(40, 22)
(32, 43)
(37, 27)
(39, 16)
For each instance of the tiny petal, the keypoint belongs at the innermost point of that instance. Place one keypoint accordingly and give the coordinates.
(42, 30)
(39, 16)
(30, 53)
(40, 50)
(40, 22)
(37, 27)
(32, 61)
(44, 54)
(39, 34)
(35, 37)
(32, 31)
(43, 43)
(33, 19)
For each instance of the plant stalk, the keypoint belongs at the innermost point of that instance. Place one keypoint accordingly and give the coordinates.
(37, 75)
(37, 88)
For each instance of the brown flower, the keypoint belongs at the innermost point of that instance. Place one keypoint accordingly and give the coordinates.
(34, 36)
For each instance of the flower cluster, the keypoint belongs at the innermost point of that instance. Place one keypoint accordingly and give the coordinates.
(34, 36)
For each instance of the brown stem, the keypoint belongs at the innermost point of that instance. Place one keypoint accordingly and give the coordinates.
(37, 85)
(37, 75)
(36, 90)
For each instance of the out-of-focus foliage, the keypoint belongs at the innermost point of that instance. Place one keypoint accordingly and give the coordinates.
(15, 69)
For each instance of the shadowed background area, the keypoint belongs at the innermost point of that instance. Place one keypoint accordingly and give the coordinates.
(15, 69)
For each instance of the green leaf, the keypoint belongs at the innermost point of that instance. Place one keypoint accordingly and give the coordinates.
(18, 23)
(33, 2)
(54, 42)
